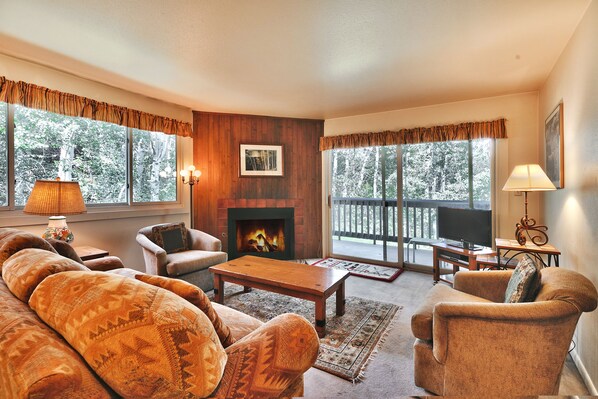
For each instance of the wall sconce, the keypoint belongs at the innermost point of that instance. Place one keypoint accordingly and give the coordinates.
(190, 176)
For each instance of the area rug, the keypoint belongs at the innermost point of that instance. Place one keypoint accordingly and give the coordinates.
(366, 270)
(350, 340)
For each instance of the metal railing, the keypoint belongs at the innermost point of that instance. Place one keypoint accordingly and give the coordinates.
(364, 217)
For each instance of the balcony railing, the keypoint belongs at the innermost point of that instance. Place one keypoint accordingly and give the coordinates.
(363, 217)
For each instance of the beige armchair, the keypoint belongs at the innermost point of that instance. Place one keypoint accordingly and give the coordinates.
(191, 265)
(469, 343)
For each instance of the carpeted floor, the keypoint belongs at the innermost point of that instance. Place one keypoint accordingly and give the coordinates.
(350, 339)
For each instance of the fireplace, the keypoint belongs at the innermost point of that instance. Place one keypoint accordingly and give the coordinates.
(267, 232)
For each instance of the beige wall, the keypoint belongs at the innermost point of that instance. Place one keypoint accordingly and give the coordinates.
(521, 113)
(110, 228)
(572, 213)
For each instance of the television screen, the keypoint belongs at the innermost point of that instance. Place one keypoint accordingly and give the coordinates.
(470, 225)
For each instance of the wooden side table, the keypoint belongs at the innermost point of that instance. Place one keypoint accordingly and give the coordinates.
(458, 257)
(86, 252)
(511, 249)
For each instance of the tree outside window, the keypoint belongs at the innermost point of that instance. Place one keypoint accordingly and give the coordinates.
(154, 166)
(3, 155)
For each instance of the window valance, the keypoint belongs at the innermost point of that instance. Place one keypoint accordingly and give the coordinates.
(42, 98)
(462, 131)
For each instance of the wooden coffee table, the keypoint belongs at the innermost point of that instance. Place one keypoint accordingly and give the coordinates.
(314, 283)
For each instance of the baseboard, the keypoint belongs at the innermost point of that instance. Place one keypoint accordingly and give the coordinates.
(584, 373)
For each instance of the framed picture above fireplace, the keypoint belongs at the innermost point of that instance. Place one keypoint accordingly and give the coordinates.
(261, 160)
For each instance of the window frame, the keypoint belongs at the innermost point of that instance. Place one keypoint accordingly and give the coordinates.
(14, 213)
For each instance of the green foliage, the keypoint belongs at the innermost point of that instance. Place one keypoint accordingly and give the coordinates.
(154, 166)
(3, 154)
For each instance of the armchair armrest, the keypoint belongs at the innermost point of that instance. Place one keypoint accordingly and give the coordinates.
(497, 330)
(147, 244)
(154, 256)
(270, 359)
(203, 241)
(489, 285)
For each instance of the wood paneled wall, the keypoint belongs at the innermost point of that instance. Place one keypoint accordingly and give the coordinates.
(216, 153)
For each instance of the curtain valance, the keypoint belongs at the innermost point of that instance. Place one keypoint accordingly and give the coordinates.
(462, 131)
(42, 98)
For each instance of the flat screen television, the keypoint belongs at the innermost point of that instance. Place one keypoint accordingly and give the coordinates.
(468, 225)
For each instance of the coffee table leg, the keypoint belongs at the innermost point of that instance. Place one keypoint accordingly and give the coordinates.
(218, 288)
(246, 289)
(321, 317)
(340, 300)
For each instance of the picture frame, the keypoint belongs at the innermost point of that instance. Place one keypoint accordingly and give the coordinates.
(259, 160)
(554, 147)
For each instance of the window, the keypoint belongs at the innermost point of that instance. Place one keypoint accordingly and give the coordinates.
(94, 153)
(3, 154)
(154, 166)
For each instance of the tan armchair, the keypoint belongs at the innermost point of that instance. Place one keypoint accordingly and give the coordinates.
(469, 343)
(191, 265)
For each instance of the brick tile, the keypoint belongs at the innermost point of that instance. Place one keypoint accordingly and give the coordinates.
(270, 202)
(251, 203)
(241, 203)
(260, 203)
(221, 203)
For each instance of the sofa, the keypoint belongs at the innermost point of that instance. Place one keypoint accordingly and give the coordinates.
(201, 251)
(469, 343)
(67, 331)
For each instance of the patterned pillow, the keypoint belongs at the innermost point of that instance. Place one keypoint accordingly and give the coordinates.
(525, 281)
(65, 249)
(23, 271)
(197, 297)
(171, 237)
(141, 340)
(12, 241)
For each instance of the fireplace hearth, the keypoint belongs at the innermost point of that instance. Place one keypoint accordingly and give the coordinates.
(266, 232)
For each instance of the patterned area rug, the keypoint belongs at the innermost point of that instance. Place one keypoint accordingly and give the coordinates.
(350, 339)
(366, 270)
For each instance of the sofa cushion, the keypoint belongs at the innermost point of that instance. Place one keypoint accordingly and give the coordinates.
(12, 241)
(191, 261)
(525, 281)
(23, 271)
(143, 341)
(421, 321)
(197, 297)
(171, 237)
(35, 362)
(65, 249)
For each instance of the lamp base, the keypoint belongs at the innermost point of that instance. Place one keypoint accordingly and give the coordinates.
(58, 229)
(536, 233)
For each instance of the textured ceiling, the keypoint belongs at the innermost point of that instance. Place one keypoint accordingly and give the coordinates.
(310, 58)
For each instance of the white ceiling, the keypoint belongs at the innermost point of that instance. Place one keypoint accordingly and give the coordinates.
(297, 58)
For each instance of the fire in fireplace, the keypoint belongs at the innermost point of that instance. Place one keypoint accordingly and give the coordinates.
(267, 232)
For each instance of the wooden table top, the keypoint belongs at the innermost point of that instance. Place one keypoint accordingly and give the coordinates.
(513, 245)
(307, 278)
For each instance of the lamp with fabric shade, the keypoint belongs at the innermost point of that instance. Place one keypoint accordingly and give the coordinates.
(56, 198)
(526, 178)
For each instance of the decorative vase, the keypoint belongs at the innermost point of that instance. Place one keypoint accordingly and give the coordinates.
(58, 229)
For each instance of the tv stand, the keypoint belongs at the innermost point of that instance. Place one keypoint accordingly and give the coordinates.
(458, 257)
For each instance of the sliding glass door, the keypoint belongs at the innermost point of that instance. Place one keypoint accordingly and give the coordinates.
(365, 214)
(363, 203)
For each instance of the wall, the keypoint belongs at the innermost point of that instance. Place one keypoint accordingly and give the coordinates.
(521, 113)
(216, 153)
(111, 228)
(572, 213)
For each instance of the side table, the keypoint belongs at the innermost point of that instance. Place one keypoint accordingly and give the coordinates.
(86, 252)
(458, 257)
(511, 248)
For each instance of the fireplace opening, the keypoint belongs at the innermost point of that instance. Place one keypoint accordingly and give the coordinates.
(267, 232)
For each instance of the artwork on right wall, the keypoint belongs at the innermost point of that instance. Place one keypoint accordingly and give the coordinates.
(554, 158)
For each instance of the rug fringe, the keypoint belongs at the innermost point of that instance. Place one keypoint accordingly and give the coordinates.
(361, 375)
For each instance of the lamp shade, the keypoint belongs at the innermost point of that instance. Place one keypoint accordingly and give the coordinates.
(528, 178)
(55, 197)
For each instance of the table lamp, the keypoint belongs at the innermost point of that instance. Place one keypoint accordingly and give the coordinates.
(56, 197)
(529, 178)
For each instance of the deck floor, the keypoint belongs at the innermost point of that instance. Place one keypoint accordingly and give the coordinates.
(423, 254)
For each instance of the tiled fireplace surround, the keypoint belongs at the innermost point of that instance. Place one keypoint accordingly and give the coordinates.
(297, 204)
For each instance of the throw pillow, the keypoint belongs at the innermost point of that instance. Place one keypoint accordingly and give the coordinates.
(12, 241)
(197, 297)
(65, 249)
(23, 271)
(141, 340)
(524, 282)
(171, 237)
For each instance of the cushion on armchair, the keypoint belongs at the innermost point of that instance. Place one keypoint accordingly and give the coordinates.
(525, 281)
(143, 341)
(172, 237)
